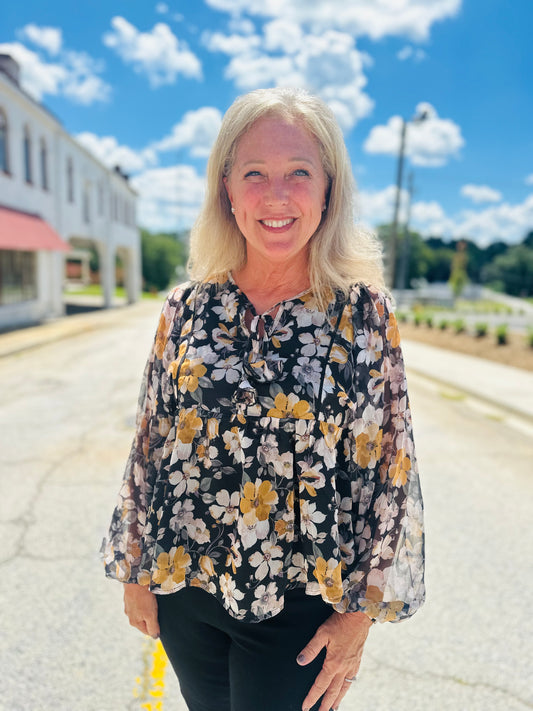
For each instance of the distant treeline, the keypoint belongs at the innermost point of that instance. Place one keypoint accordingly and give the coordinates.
(163, 255)
(503, 267)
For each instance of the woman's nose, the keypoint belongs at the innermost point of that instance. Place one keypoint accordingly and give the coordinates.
(277, 192)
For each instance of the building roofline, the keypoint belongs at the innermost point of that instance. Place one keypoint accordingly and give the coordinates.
(25, 95)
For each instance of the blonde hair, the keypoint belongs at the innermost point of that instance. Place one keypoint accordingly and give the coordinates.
(340, 253)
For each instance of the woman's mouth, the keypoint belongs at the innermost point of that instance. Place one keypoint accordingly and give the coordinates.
(277, 224)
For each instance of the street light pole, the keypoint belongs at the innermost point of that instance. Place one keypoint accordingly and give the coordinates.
(393, 246)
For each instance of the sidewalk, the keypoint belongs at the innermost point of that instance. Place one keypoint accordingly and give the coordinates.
(23, 339)
(506, 387)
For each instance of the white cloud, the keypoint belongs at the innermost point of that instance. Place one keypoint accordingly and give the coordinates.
(110, 153)
(161, 8)
(481, 193)
(48, 38)
(409, 52)
(230, 44)
(328, 64)
(197, 130)
(373, 18)
(529, 179)
(375, 207)
(241, 25)
(158, 54)
(169, 198)
(506, 222)
(428, 143)
(283, 36)
(75, 75)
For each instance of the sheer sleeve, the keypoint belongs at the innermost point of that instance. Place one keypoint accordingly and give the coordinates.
(387, 582)
(122, 549)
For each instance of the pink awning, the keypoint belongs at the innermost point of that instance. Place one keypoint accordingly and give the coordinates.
(28, 233)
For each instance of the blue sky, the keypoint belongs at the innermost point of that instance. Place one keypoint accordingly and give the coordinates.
(144, 84)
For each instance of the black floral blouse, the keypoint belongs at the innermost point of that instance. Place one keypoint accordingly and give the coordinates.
(273, 451)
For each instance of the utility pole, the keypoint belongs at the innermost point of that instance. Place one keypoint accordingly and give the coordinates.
(393, 246)
(406, 254)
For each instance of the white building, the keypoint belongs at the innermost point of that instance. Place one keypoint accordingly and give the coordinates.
(55, 198)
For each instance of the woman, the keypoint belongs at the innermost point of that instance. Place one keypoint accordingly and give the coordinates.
(271, 509)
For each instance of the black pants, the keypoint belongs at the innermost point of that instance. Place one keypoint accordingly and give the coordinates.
(224, 664)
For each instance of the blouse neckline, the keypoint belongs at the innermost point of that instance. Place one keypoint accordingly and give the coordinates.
(268, 312)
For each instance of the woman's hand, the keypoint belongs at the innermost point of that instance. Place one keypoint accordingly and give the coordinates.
(140, 605)
(343, 635)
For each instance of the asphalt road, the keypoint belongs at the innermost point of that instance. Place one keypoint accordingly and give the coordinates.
(66, 417)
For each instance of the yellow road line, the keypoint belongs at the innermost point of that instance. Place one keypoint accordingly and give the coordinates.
(150, 686)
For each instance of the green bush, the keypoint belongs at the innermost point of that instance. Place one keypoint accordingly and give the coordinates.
(429, 321)
(402, 316)
(482, 329)
(417, 320)
(443, 324)
(459, 325)
(529, 337)
(502, 336)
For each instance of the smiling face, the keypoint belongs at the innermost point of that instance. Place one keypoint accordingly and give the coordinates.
(277, 187)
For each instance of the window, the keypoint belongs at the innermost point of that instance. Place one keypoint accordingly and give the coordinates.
(87, 204)
(27, 156)
(70, 180)
(18, 276)
(100, 198)
(4, 155)
(43, 153)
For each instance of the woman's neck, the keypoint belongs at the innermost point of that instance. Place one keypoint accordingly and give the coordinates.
(265, 285)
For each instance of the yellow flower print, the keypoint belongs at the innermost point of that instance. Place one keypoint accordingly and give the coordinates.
(331, 432)
(338, 354)
(256, 501)
(171, 569)
(290, 406)
(190, 371)
(400, 468)
(346, 324)
(212, 427)
(393, 333)
(368, 446)
(329, 578)
(373, 609)
(161, 336)
(206, 564)
(188, 425)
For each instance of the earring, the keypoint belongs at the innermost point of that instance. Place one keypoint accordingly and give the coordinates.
(232, 210)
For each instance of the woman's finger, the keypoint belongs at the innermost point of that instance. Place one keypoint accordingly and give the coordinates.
(344, 689)
(319, 688)
(332, 694)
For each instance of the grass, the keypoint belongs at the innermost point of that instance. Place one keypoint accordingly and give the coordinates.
(96, 290)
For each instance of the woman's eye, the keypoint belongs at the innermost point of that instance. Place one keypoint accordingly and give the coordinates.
(252, 174)
(301, 171)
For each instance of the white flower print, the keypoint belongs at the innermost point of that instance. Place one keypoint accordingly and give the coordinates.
(315, 343)
(229, 592)
(186, 479)
(309, 518)
(267, 599)
(227, 370)
(227, 507)
(267, 560)
(183, 514)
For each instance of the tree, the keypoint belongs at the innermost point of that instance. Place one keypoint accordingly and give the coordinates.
(459, 277)
(161, 254)
(512, 271)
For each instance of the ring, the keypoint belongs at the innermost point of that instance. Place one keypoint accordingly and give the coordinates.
(350, 680)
